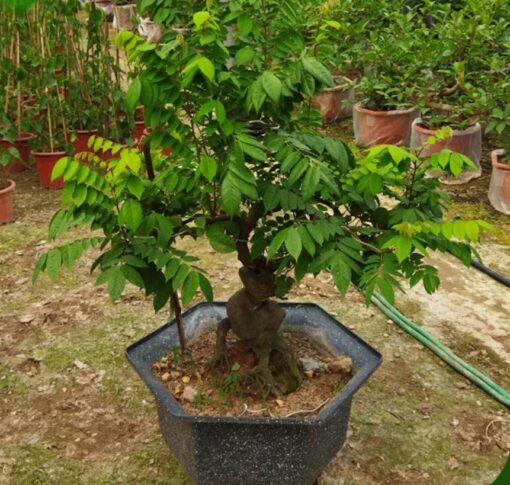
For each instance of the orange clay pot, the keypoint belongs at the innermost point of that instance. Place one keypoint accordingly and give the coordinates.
(499, 188)
(45, 161)
(6, 196)
(468, 142)
(382, 127)
(22, 144)
(82, 139)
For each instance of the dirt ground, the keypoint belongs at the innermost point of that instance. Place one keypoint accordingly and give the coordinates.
(73, 412)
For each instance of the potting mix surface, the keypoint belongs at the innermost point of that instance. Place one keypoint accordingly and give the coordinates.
(229, 391)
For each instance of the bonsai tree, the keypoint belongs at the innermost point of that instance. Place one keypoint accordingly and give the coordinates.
(247, 174)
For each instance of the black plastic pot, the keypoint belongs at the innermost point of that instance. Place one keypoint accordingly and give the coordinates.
(244, 450)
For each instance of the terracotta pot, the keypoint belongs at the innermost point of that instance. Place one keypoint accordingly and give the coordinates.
(382, 127)
(499, 188)
(335, 103)
(22, 144)
(81, 141)
(45, 161)
(468, 142)
(124, 16)
(6, 194)
(139, 130)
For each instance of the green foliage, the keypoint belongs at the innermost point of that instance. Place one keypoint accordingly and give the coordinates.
(246, 171)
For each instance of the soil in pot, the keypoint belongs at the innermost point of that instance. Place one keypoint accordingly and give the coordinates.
(6, 198)
(467, 141)
(232, 392)
(45, 161)
(499, 188)
(80, 143)
(22, 144)
(382, 127)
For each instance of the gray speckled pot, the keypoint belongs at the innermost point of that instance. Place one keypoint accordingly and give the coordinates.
(253, 451)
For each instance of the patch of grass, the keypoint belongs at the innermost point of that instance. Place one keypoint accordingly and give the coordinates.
(483, 211)
(156, 465)
(11, 382)
(39, 465)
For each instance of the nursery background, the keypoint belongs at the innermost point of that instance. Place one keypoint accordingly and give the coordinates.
(355, 150)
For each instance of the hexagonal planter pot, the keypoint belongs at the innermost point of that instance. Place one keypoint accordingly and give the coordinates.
(230, 450)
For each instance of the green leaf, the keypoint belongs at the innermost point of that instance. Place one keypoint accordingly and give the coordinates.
(341, 274)
(472, 231)
(133, 94)
(271, 197)
(59, 168)
(200, 18)
(230, 196)
(135, 186)
(245, 56)
(180, 276)
(293, 243)
(190, 287)
(403, 247)
(272, 86)
(206, 67)
(53, 263)
(208, 167)
(245, 24)
(131, 214)
(80, 195)
(276, 243)
(39, 266)
(133, 276)
(220, 241)
(318, 71)
(115, 280)
(71, 170)
(206, 288)
(386, 290)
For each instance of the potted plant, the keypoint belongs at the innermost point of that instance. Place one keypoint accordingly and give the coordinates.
(124, 14)
(499, 188)
(14, 122)
(386, 109)
(458, 77)
(7, 157)
(246, 175)
(93, 81)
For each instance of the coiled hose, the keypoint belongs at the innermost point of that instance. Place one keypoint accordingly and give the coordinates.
(442, 351)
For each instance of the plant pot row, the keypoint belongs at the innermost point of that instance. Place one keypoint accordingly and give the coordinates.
(404, 127)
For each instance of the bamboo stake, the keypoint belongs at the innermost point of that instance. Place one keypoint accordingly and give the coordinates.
(18, 85)
(46, 90)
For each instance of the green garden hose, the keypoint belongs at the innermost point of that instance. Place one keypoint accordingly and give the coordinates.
(442, 351)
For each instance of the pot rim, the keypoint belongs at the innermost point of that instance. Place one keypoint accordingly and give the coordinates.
(427, 131)
(49, 154)
(9, 188)
(163, 395)
(83, 132)
(495, 154)
(393, 112)
(24, 136)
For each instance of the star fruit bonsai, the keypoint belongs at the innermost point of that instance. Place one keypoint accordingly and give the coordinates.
(248, 174)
